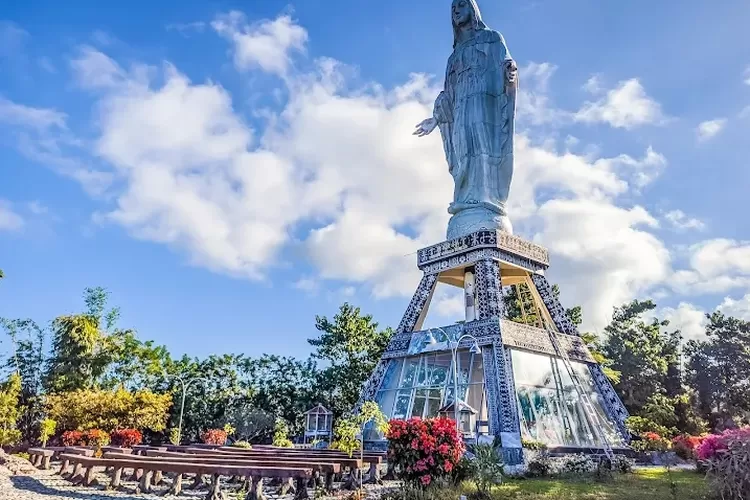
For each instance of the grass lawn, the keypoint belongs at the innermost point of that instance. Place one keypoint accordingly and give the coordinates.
(644, 484)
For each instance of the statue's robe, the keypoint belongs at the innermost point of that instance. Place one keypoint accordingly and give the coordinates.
(476, 113)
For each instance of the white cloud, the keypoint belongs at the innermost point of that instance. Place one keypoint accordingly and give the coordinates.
(711, 128)
(338, 170)
(687, 318)
(9, 220)
(739, 308)
(38, 118)
(593, 85)
(679, 220)
(603, 255)
(715, 266)
(745, 112)
(266, 45)
(534, 106)
(626, 106)
(747, 76)
(185, 29)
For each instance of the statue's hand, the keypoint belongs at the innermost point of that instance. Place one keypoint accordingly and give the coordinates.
(425, 127)
(511, 71)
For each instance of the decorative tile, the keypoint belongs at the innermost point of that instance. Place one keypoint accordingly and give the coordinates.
(489, 290)
(484, 239)
(417, 304)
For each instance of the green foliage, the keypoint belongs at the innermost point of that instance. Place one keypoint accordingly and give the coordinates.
(10, 391)
(109, 410)
(719, 368)
(84, 345)
(174, 436)
(642, 425)
(242, 444)
(487, 468)
(47, 429)
(647, 359)
(352, 345)
(229, 430)
(529, 444)
(348, 431)
(281, 435)
(23, 455)
(252, 425)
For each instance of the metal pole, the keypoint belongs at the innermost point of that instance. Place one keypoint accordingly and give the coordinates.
(182, 410)
(454, 350)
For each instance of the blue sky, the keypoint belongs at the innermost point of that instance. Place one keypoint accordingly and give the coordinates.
(228, 170)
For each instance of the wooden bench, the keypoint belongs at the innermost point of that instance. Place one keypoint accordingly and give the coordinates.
(371, 458)
(41, 457)
(72, 450)
(216, 471)
(141, 449)
(321, 467)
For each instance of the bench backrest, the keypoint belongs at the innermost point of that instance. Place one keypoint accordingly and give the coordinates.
(306, 454)
(131, 462)
(214, 460)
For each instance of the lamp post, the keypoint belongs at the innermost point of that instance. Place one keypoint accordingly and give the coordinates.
(185, 385)
(454, 353)
(454, 349)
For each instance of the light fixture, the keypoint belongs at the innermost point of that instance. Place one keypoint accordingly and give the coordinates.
(430, 340)
(475, 348)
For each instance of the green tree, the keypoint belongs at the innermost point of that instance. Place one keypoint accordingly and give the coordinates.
(26, 357)
(351, 345)
(718, 369)
(525, 311)
(647, 359)
(84, 345)
(10, 391)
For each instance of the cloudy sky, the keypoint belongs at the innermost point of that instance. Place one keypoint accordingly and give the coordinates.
(229, 169)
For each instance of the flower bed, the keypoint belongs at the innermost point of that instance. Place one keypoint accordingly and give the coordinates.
(424, 452)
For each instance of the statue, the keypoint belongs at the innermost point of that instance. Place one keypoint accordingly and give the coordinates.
(476, 115)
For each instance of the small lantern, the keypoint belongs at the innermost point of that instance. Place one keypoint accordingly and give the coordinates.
(467, 416)
(318, 424)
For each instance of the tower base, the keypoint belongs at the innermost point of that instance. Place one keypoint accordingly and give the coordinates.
(532, 381)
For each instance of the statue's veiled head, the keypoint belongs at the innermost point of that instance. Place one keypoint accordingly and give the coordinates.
(465, 13)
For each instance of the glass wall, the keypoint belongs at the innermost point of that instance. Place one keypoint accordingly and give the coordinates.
(549, 404)
(420, 385)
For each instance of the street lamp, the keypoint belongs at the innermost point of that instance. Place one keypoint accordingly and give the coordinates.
(430, 340)
(454, 351)
(185, 385)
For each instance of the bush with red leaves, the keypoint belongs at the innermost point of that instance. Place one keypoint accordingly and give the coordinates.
(127, 438)
(214, 436)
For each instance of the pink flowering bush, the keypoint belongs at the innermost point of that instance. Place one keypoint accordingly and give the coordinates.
(727, 458)
(424, 452)
(686, 446)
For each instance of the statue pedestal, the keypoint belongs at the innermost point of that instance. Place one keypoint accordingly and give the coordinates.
(472, 220)
(493, 260)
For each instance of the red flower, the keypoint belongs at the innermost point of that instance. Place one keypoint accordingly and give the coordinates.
(426, 480)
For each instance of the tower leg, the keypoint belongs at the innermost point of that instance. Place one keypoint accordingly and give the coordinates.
(501, 393)
(610, 401)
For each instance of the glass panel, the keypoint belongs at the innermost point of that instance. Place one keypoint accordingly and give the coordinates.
(420, 401)
(410, 372)
(401, 408)
(549, 404)
(390, 381)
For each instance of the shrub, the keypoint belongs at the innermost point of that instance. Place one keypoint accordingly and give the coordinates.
(242, 444)
(487, 468)
(529, 444)
(47, 429)
(73, 438)
(214, 436)
(424, 452)
(713, 444)
(109, 410)
(174, 436)
(622, 464)
(651, 441)
(10, 410)
(728, 467)
(127, 438)
(577, 465)
(685, 446)
(23, 455)
(280, 435)
(538, 464)
(348, 432)
(96, 438)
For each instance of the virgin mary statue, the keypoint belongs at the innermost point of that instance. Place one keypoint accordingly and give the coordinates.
(476, 114)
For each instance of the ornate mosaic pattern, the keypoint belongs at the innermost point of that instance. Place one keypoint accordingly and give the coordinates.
(537, 340)
(612, 403)
(500, 395)
(556, 310)
(483, 239)
(409, 344)
(472, 257)
(489, 290)
(417, 304)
